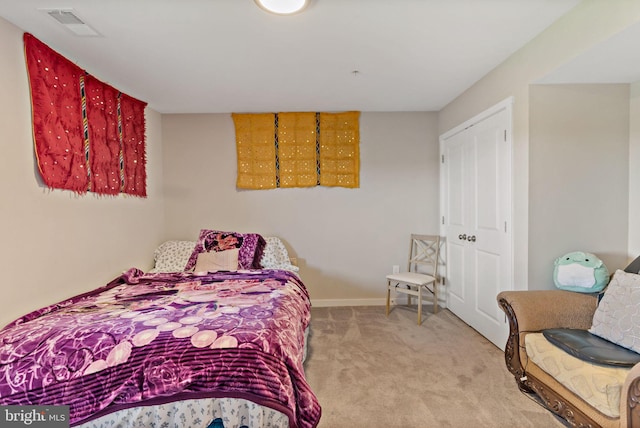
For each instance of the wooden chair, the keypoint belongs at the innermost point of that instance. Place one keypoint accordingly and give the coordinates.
(421, 275)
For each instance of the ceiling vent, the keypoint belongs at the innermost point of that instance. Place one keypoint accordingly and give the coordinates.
(71, 21)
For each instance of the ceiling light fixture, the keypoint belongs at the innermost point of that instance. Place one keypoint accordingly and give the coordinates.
(282, 7)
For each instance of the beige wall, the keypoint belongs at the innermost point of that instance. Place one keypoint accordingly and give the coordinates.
(634, 170)
(346, 240)
(578, 175)
(57, 244)
(592, 21)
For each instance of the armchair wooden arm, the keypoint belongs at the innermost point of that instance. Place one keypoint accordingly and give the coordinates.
(631, 396)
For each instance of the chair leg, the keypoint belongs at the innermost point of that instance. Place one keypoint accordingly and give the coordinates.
(388, 296)
(435, 297)
(419, 305)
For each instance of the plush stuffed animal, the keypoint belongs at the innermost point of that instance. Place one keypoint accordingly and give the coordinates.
(581, 272)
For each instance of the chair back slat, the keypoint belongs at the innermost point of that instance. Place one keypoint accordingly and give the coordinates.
(424, 252)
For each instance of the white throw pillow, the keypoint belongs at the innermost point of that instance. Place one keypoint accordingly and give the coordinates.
(617, 317)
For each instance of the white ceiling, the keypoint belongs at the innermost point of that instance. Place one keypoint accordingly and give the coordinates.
(214, 56)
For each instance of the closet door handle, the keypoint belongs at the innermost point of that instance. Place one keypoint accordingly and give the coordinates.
(463, 237)
(471, 238)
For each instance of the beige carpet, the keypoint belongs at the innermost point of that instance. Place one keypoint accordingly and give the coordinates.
(368, 370)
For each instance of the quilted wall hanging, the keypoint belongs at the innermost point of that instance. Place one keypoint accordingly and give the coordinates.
(88, 136)
(297, 149)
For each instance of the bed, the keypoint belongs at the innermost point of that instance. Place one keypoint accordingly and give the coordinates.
(218, 341)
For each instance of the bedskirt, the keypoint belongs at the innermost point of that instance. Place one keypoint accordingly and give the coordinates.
(205, 412)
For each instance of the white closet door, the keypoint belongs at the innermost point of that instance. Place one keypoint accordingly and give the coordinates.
(476, 212)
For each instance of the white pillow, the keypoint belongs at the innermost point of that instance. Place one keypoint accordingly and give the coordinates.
(275, 255)
(617, 317)
(172, 256)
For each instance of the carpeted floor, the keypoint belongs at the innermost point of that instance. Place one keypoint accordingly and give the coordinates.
(368, 370)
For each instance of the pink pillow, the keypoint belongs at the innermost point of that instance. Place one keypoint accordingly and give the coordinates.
(250, 245)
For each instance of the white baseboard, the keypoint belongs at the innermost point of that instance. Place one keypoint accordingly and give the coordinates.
(327, 303)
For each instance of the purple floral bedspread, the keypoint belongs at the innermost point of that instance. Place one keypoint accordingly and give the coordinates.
(156, 338)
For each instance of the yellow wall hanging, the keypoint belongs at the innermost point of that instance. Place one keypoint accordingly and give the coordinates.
(297, 149)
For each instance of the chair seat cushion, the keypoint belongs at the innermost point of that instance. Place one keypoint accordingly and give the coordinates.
(591, 348)
(411, 278)
(600, 386)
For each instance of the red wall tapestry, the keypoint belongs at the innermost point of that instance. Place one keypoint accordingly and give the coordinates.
(88, 136)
